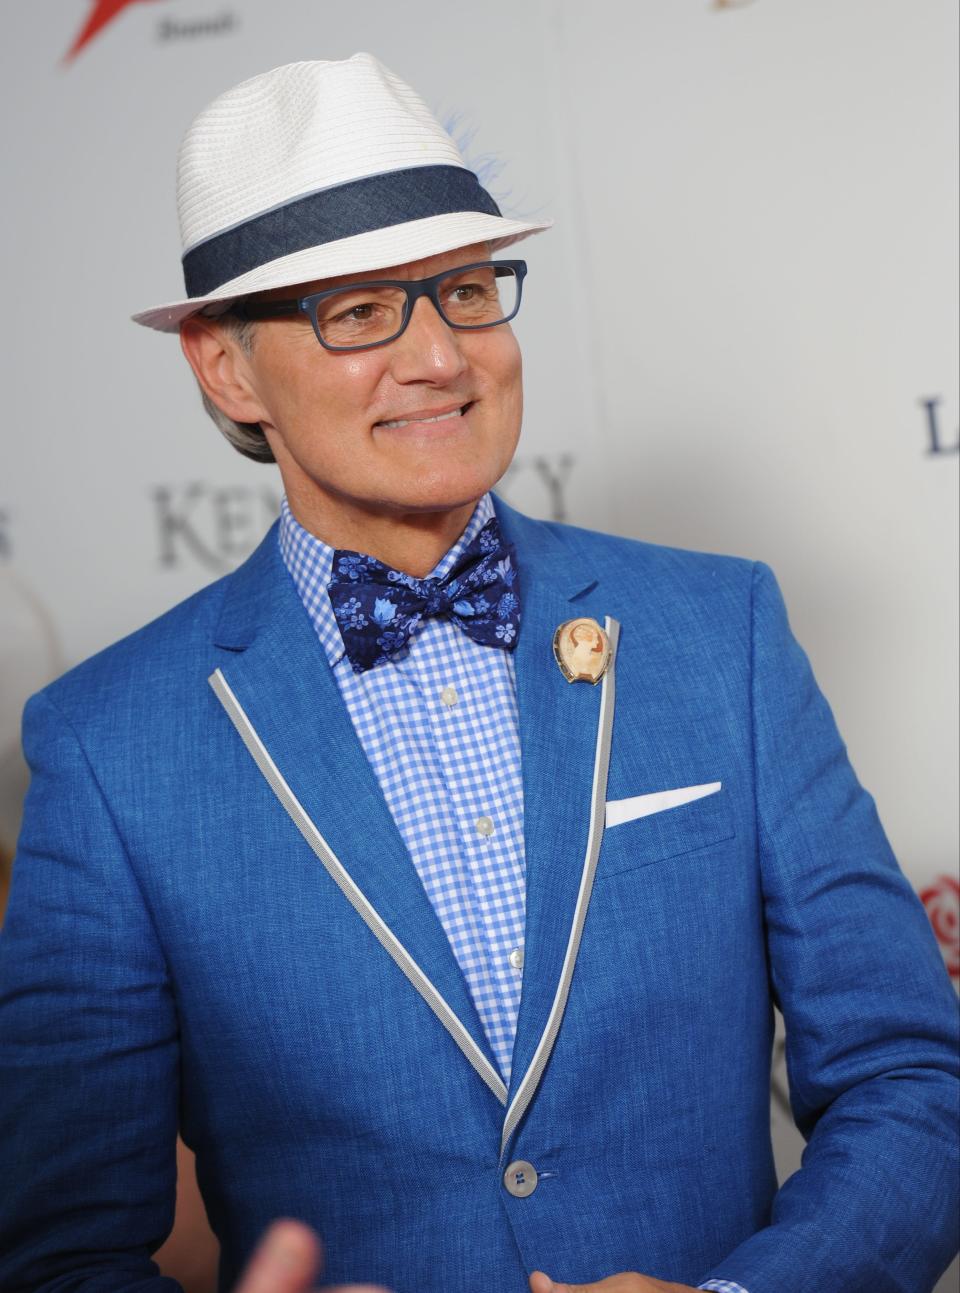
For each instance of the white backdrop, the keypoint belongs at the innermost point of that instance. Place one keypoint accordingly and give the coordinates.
(741, 335)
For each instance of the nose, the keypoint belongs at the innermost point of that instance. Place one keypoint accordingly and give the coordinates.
(428, 350)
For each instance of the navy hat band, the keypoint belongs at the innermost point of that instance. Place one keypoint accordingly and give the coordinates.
(359, 206)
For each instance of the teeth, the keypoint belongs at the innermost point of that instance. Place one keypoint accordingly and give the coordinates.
(443, 417)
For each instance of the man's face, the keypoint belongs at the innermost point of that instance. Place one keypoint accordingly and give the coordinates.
(332, 419)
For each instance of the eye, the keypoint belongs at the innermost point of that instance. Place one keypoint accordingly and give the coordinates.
(362, 313)
(468, 293)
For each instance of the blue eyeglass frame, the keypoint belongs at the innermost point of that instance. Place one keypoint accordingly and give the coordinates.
(413, 288)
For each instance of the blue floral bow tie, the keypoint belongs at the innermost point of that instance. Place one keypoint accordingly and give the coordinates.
(378, 609)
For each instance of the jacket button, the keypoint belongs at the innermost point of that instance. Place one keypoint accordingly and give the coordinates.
(520, 1178)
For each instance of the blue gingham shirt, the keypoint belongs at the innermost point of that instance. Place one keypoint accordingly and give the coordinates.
(438, 723)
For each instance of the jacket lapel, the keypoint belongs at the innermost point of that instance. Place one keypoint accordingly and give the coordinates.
(277, 688)
(559, 724)
(275, 669)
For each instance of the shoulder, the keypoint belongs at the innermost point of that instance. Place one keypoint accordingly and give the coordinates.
(145, 677)
(633, 565)
(696, 604)
(638, 560)
(180, 641)
(146, 660)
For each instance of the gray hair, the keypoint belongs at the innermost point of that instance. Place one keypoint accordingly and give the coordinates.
(246, 437)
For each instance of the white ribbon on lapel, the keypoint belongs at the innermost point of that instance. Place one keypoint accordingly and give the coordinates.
(601, 765)
(353, 894)
(389, 941)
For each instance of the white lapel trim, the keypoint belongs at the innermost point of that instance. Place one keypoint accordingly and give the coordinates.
(342, 878)
(601, 764)
(628, 810)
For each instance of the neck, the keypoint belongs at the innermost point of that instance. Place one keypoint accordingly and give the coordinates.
(410, 541)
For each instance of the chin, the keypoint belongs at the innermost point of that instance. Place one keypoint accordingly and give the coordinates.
(439, 501)
(443, 494)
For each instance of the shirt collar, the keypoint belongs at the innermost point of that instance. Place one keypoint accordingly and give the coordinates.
(310, 563)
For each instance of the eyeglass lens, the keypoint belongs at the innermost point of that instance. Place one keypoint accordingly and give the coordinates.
(472, 298)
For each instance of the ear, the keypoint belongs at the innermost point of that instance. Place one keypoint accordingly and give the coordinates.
(221, 368)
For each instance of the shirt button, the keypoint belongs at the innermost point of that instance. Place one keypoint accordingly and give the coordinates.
(449, 696)
(520, 1179)
(516, 958)
(484, 825)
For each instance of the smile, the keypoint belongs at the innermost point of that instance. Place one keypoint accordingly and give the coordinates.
(420, 421)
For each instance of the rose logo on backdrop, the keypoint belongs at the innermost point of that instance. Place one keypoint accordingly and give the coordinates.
(942, 901)
(101, 13)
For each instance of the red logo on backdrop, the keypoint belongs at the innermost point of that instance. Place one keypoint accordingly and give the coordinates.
(102, 12)
(942, 901)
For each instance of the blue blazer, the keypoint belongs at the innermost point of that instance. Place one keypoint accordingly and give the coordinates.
(214, 925)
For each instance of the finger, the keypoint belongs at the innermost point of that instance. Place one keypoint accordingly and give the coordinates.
(541, 1283)
(627, 1282)
(355, 1288)
(286, 1260)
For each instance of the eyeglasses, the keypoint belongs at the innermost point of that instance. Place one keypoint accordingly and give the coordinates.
(360, 316)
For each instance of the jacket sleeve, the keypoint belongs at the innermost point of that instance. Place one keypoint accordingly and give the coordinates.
(88, 1043)
(870, 1015)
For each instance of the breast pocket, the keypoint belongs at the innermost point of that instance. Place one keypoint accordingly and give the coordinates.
(691, 828)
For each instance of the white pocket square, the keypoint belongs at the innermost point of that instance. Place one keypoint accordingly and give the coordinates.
(627, 810)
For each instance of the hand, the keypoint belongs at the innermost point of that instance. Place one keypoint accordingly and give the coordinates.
(288, 1260)
(627, 1282)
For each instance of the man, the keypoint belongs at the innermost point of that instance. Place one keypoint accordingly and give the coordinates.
(458, 949)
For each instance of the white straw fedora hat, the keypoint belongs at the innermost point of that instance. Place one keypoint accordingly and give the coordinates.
(315, 170)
